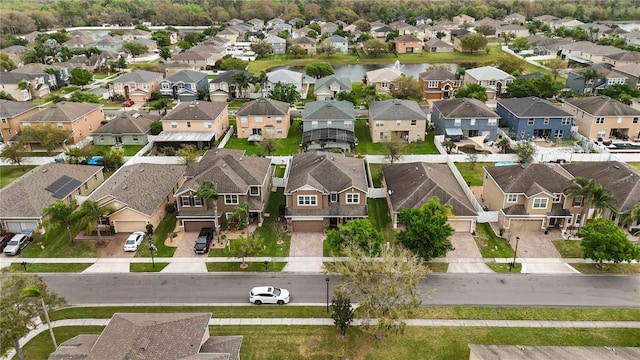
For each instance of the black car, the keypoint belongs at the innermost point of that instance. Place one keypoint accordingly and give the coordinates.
(203, 242)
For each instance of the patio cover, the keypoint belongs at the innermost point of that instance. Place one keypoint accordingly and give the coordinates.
(329, 134)
(186, 136)
(479, 142)
(454, 131)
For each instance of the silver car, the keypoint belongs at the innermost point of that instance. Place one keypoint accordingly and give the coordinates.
(17, 243)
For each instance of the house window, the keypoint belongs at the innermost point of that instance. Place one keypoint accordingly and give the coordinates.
(511, 198)
(492, 122)
(557, 198)
(307, 200)
(254, 190)
(9, 131)
(433, 84)
(601, 133)
(531, 121)
(59, 125)
(348, 124)
(174, 124)
(314, 124)
(207, 124)
(279, 131)
(379, 123)
(353, 198)
(578, 219)
(472, 122)
(635, 120)
(103, 220)
(258, 118)
(558, 134)
(188, 124)
(600, 120)
(492, 83)
(86, 186)
(278, 119)
(184, 201)
(398, 122)
(384, 85)
(457, 122)
(4, 120)
(329, 123)
(165, 86)
(540, 203)
(566, 121)
(243, 119)
(546, 121)
(577, 201)
(414, 122)
(135, 138)
(197, 201)
(334, 197)
(231, 200)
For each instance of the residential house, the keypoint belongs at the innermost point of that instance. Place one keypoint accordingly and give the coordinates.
(150, 45)
(265, 117)
(632, 72)
(515, 18)
(298, 33)
(382, 78)
(601, 117)
(238, 179)
(544, 45)
(330, 123)
(198, 123)
(462, 117)
(185, 85)
(137, 85)
(328, 28)
(397, 119)
(438, 84)
(548, 20)
(421, 20)
(434, 31)
(152, 336)
(282, 27)
(492, 78)
(306, 43)
(24, 199)
(596, 31)
(135, 34)
(52, 80)
(488, 22)
(514, 29)
(632, 37)
(380, 32)
(229, 34)
(296, 21)
(127, 128)
(463, 18)
(607, 77)
(436, 45)
(328, 87)
(225, 88)
(15, 53)
(315, 201)
(37, 87)
(532, 117)
(200, 56)
(139, 194)
(258, 24)
(568, 23)
(339, 43)
(456, 38)
(81, 119)
(80, 41)
(623, 58)
(273, 22)
(586, 52)
(411, 185)
(278, 44)
(408, 44)
(109, 43)
(286, 77)
(11, 113)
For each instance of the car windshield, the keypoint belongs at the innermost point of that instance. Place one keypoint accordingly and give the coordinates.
(276, 292)
(13, 242)
(131, 241)
(201, 240)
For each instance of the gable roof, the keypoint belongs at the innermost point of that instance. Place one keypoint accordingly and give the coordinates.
(264, 106)
(312, 169)
(410, 185)
(488, 73)
(336, 39)
(304, 40)
(187, 76)
(602, 106)
(142, 187)
(128, 122)
(406, 38)
(435, 42)
(9, 109)
(63, 111)
(627, 56)
(285, 76)
(227, 76)
(273, 39)
(325, 82)
(532, 107)
(396, 109)
(383, 75)
(464, 108)
(437, 74)
(138, 76)
(328, 110)
(530, 179)
(196, 110)
(27, 196)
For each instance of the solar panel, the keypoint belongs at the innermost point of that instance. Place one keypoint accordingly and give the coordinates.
(62, 187)
(58, 183)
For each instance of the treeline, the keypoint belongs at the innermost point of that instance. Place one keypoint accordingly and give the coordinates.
(24, 17)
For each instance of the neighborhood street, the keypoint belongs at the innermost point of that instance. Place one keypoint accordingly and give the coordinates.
(439, 289)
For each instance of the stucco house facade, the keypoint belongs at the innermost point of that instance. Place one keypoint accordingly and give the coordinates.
(396, 119)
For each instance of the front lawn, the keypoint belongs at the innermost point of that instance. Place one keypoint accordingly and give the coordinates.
(147, 267)
(253, 266)
(50, 267)
(56, 244)
(568, 248)
(473, 176)
(367, 146)
(9, 173)
(166, 226)
(490, 245)
(606, 268)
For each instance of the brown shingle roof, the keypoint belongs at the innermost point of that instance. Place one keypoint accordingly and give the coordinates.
(264, 106)
(63, 112)
(529, 178)
(327, 172)
(10, 109)
(128, 123)
(196, 110)
(603, 106)
(464, 108)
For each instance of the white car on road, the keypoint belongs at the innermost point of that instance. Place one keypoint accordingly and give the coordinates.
(269, 295)
(133, 241)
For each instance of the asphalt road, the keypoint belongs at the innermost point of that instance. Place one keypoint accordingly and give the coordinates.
(439, 289)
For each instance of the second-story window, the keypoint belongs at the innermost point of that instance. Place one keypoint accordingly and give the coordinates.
(197, 201)
(334, 197)
(185, 201)
(600, 120)
(353, 198)
(511, 198)
(540, 203)
(231, 199)
(188, 124)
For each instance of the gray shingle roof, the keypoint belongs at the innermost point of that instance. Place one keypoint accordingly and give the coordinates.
(464, 108)
(304, 40)
(26, 197)
(9, 109)
(327, 172)
(336, 39)
(345, 84)
(128, 123)
(328, 110)
(396, 109)
(488, 73)
(63, 112)
(264, 106)
(437, 74)
(533, 107)
(138, 76)
(412, 184)
(196, 110)
(143, 187)
(435, 42)
(227, 76)
(603, 106)
(187, 76)
(530, 179)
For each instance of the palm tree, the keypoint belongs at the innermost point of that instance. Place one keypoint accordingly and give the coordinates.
(208, 191)
(602, 199)
(260, 79)
(90, 213)
(242, 81)
(26, 85)
(632, 216)
(60, 213)
(33, 292)
(592, 194)
(589, 75)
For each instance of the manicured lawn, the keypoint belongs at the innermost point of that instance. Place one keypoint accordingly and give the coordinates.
(253, 266)
(129, 150)
(607, 268)
(8, 173)
(280, 170)
(50, 268)
(635, 164)
(56, 244)
(380, 218)
(166, 226)
(569, 248)
(487, 242)
(40, 347)
(147, 267)
(287, 146)
(476, 175)
(376, 174)
(504, 268)
(366, 145)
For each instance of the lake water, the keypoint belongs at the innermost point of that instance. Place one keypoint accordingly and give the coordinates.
(629, 26)
(356, 72)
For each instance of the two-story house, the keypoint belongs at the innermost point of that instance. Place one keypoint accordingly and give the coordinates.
(314, 200)
(438, 84)
(185, 85)
(237, 179)
(408, 44)
(265, 117)
(436, 45)
(382, 78)
(601, 117)
(463, 18)
(11, 112)
(200, 56)
(606, 76)
(532, 117)
(198, 123)
(328, 87)
(411, 185)
(328, 123)
(128, 128)
(380, 32)
(340, 43)
(37, 86)
(278, 44)
(224, 87)
(137, 85)
(286, 77)
(306, 43)
(462, 117)
(397, 119)
(492, 78)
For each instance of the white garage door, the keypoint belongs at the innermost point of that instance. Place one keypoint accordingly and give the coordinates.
(526, 225)
(21, 226)
(130, 226)
(460, 225)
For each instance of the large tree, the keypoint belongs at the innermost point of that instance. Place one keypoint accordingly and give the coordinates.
(621, 92)
(358, 232)
(284, 92)
(6, 63)
(473, 42)
(261, 48)
(472, 91)
(426, 229)
(520, 43)
(46, 135)
(89, 214)
(556, 66)
(406, 87)
(17, 310)
(13, 153)
(394, 148)
(542, 87)
(61, 213)
(80, 77)
(583, 190)
(248, 246)
(525, 150)
(603, 240)
(134, 48)
(242, 81)
(386, 289)
(319, 69)
(510, 64)
(374, 47)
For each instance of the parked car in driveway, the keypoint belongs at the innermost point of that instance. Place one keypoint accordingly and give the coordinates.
(269, 295)
(129, 103)
(133, 241)
(203, 241)
(4, 239)
(17, 243)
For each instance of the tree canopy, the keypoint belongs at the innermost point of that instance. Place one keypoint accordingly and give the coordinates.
(284, 92)
(358, 232)
(543, 87)
(621, 92)
(46, 135)
(473, 42)
(319, 69)
(406, 87)
(472, 91)
(603, 240)
(426, 229)
(80, 77)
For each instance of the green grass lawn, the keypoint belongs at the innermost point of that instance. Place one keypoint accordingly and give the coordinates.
(487, 242)
(438, 267)
(476, 175)
(380, 218)
(129, 150)
(635, 164)
(607, 268)
(40, 347)
(147, 267)
(569, 248)
(253, 266)
(280, 170)
(56, 244)
(287, 146)
(504, 268)
(50, 267)
(367, 146)
(9, 173)
(165, 226)
(376, 174)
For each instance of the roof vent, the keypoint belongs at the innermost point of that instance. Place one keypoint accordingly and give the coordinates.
(390, 192)
(125, 187)
(141, 169)
(616, 166)
(44, 170)
(144, 343)
(240, 158)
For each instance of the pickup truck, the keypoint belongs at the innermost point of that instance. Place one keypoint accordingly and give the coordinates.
(203, 241)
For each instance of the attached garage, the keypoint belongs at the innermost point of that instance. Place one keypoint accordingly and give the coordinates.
(122, 226)
(461, 225)
(195, 226)
(21, 226)
(526, 225)
(308, 226)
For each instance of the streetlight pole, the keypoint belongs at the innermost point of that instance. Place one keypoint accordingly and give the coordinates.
(327, 280)
(515, 252)
(152, 248)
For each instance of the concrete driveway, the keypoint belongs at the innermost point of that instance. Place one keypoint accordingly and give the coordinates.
(305, 254)
(535, 244)
(465, 248)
